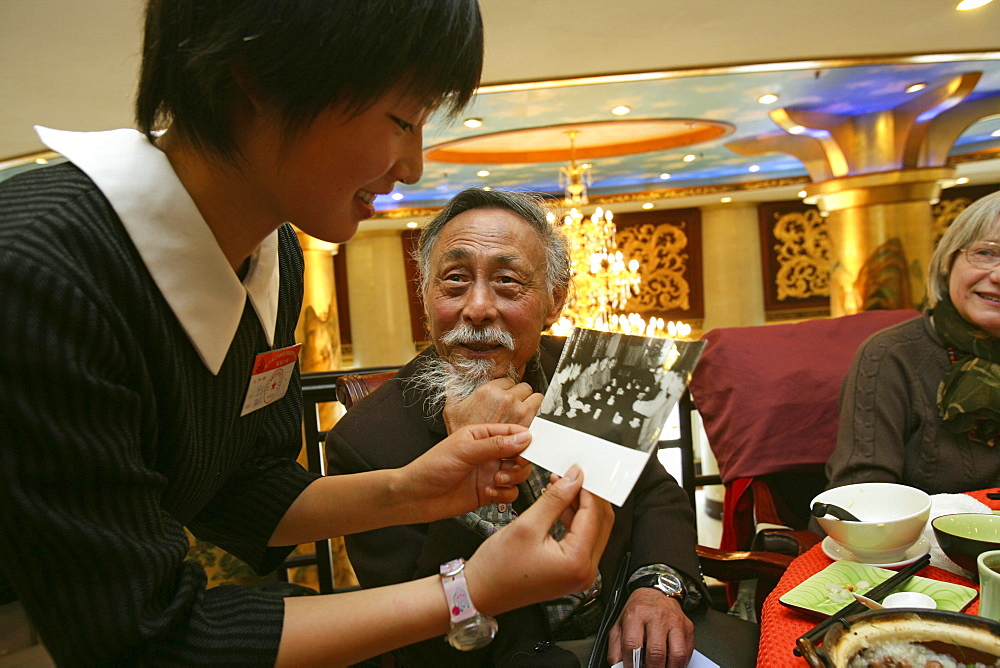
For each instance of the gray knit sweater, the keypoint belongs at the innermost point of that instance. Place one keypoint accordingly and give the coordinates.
(889, 427)
(114, 436)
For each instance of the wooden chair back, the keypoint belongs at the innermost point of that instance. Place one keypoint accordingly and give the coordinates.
(319, 388)
(691, 479)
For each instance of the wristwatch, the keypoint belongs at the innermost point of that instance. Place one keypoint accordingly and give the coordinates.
(470, 629)
(668, 583)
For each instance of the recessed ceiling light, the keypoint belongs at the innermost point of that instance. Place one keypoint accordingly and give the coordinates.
(397, 196)
(690, 157)
(412, 224)
(586, 165)
(647, 205)
(769, 98)
(473, 122)
(483, 172)
(971, 4)
(753, 168)
(915, 87)
(726, 200)
(621, 110)
(961, 181)
(664, 176)
(802, 193)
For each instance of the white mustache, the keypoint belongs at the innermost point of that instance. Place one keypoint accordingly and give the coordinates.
(467, 334)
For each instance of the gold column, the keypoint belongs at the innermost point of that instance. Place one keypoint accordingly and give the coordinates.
(380, 304)
(319, 332)
(733, 291)
(881, 236)
(317, 328)
(876, 175)
(731, 272)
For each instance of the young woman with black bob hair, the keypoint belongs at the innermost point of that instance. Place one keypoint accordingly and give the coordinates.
(149, 282)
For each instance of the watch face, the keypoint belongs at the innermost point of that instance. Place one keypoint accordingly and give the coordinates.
(670, 585)
(472, 633)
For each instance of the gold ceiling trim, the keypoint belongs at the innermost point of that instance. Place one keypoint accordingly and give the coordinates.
(411, 212)
(699, 191)
(736, 68)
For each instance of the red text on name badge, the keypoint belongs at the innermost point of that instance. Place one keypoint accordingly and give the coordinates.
(272, 371)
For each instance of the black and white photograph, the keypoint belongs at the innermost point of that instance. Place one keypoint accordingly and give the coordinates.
(607, 404)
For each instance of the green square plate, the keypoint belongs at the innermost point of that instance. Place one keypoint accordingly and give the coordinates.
(819, 593)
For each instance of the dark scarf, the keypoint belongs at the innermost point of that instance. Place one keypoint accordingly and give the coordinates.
(969, 395)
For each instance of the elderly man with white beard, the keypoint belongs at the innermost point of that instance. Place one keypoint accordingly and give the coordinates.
(494, 273)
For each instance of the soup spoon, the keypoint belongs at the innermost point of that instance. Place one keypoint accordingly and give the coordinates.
(867, 602)
(820, 509)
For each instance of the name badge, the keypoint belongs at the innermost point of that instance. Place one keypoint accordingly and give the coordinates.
(272, 371)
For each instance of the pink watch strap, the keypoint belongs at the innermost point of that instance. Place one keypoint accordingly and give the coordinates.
(456, 591)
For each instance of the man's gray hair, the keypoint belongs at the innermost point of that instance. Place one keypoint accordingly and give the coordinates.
(528, 206)
(974, 223)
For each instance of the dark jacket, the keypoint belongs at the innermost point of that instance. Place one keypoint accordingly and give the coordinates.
(389, 429)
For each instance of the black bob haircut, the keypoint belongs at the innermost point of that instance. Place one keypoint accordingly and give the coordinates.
(303, 56)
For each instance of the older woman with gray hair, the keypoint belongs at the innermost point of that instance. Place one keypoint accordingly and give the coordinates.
(921, 403)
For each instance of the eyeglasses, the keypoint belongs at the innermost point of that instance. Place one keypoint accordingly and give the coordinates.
(983, 254)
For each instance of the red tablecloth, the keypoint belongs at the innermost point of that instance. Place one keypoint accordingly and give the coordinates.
(781, 626)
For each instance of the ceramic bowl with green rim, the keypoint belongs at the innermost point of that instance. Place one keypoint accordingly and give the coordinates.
(964, 536)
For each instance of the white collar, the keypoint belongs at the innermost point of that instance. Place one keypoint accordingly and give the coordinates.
(175, 242)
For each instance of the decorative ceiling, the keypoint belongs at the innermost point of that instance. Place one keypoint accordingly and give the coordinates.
(675, 135)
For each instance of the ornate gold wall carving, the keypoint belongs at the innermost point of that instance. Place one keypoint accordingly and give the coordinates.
(945, 211)
(953, 202)
(803, 254)
(797, 261)
(662, 254)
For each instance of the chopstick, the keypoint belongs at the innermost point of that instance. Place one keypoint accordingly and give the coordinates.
(876, 594)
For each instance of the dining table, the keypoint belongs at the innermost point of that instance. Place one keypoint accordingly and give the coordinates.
(781, 626)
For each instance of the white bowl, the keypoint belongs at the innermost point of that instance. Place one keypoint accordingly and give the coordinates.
(893, 517)
(909, 599)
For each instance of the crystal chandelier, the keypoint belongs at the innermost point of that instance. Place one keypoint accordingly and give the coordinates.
(603, 280)
(573, 179)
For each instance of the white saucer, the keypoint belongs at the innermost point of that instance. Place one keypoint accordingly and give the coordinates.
(838, 552)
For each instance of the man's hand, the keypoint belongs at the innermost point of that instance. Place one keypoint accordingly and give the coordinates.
(655, 621)
(498, 401)
(471, 468)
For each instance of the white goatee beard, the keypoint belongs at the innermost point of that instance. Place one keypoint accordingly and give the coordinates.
(456, 379)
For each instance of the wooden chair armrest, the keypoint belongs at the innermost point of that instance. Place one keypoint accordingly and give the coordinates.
(743, 565)
(792, 542)
(353, 388)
